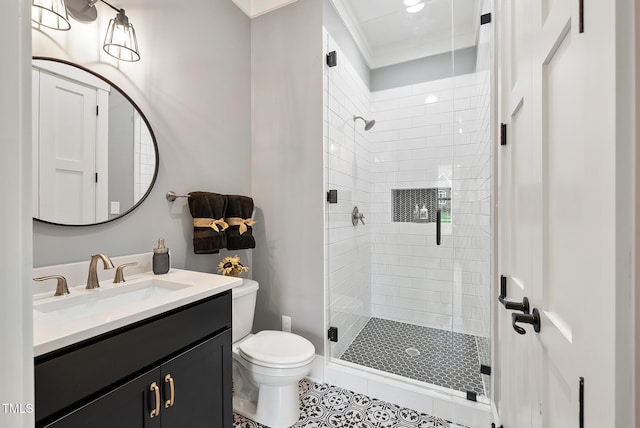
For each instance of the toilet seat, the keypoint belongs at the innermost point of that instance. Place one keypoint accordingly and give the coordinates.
(277, 349)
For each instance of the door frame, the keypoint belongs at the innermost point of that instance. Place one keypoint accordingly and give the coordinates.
(16, 228)
(496, 10)
(627, 372)
(636, 256)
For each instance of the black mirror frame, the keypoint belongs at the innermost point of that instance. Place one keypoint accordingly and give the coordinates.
(146, 121)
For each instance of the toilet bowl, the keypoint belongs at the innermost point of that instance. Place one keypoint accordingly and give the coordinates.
(267, 366)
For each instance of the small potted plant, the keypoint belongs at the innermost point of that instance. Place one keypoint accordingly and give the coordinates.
(231, 266)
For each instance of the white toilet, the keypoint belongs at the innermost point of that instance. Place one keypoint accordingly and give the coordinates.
(267, 366)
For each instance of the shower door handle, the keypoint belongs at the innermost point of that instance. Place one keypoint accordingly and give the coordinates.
(438, 227)
(533, 319)
(515, 306)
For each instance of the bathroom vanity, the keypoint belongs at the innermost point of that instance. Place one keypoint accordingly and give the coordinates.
(169, 369)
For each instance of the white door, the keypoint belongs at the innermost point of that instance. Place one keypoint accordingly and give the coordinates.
(557, 218)
(67, 144)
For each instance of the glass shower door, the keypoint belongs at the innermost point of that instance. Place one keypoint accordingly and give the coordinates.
(389, 280)
(348, 215)
(409, 270)
(472, 189)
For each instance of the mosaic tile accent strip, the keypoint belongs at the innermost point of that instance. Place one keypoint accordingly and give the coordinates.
(443, 358)
(408, 203)
(323, 405)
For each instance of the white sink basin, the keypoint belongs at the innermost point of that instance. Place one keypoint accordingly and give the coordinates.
(75, 306)
(64, 320)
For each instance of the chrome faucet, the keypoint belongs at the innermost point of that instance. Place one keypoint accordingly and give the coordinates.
(92, 280)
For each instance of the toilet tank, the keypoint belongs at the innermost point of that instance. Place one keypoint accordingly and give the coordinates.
(243, 307)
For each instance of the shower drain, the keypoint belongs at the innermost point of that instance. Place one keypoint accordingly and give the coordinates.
(413, 352)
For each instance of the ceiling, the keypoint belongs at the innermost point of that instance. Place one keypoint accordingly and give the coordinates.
(387, 34)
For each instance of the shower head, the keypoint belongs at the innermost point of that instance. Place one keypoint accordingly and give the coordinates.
(368, 124)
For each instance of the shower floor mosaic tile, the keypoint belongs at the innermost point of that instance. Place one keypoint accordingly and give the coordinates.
(484, 354)
(323, 405)
(438, 357)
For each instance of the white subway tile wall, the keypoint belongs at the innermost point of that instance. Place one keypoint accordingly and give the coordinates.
(434, 134)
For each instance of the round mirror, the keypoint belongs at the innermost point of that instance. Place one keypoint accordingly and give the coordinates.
(95, 157)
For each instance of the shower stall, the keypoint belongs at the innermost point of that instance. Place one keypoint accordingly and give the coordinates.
(408, 170)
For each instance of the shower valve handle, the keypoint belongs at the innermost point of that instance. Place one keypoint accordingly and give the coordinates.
(356, 215)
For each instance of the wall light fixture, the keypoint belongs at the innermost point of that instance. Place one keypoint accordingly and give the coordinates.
(119, 42)
(50, 14)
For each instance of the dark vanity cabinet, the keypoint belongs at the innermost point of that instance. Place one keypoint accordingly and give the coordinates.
(173, 370)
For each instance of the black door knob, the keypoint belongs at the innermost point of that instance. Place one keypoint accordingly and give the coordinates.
(533, 319)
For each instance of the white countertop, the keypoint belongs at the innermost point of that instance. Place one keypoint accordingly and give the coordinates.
(56, 329)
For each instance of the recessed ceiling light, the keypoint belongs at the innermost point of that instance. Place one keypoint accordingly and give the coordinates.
(415, 9)
(411, 2)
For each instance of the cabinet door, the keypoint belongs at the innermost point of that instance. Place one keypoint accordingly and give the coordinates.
(128, 406)
(201, 379)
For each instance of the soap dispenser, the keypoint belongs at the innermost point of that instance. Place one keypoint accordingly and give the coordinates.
(161, 261)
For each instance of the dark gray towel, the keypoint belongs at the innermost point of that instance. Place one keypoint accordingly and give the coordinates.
(239, 207)
(207, 240)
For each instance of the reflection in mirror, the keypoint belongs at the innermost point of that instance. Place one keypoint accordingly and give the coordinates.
(95, 157)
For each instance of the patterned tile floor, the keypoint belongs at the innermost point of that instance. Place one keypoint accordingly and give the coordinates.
(438, 357)
(323, 405)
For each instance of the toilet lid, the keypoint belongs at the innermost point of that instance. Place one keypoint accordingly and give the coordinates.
(277, 348)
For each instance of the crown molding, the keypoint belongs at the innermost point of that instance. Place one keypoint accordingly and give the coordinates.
(255, 8)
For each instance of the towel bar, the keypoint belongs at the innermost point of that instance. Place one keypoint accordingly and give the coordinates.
(171, 196)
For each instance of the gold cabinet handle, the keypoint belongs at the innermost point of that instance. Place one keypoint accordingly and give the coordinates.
(169, 402)
(155, 412)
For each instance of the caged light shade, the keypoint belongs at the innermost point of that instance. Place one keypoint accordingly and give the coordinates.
(50, 14)
(120, 40)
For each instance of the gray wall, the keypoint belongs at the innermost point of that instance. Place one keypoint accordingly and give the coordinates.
(433, 67)
(193, 85)
(287, 87)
